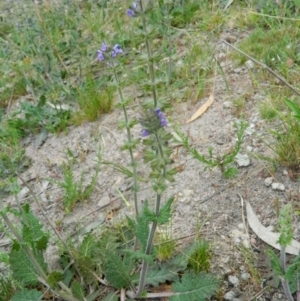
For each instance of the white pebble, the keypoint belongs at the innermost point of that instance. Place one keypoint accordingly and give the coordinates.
(245, 276)
(278, 186)
(229, 295)
(233, 280)
(268, 181)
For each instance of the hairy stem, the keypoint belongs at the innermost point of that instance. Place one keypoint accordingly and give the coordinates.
(133, 162)
(153, 229)
(150, 59)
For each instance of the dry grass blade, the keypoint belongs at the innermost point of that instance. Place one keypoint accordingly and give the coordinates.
(202, 109)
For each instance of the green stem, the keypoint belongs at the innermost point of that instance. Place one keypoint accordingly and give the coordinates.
(153, 229)
(134, 170)
(150, 59)
(30, 255)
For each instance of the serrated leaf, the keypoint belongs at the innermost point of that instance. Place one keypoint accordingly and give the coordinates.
(178, 263)
(87, 246)
(165, 212)
(292, 274)
(195, 287)
(77, 290)
(42, 243)
(275, 262)
(27, 295)
(142, 229)
(32, 228)
(115, 272)
(140, 255)
(22, 268)
(163, 215)
(156, 275)
(54, 278)
(86, 266)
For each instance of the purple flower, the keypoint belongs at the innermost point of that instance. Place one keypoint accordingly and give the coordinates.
(134, 5)
(118, 49)
(130, 13)
(113, 54)
(145, 133)
(104, 47)
(161, 117)
(100, 55)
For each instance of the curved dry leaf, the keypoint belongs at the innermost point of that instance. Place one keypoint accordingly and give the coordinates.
(202, 109)
(271, 238)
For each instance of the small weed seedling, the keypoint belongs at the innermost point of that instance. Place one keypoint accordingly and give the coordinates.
(288, 276)
(75, 191)
(287, 146)
(225, 162)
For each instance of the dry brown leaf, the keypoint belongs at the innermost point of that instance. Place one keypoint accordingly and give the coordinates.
(271, 238)
(202, 109)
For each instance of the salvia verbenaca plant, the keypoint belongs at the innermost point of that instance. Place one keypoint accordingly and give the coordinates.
(157, 155)
(83, 266)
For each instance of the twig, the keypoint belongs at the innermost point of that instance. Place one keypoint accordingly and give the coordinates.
(275, 17)
(283, 80)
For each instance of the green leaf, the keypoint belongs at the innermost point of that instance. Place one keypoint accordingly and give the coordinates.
(115, 271)
(54, 278)
(292, 106)
(156, 275)
(111, 296)
(292, 274)
(87, 246)
(165, 212)
(142, 228)
(77, 290)
(86, 267)
(42, 243)
(32, 228)
(27, 295)
(93, 295)
(195, 287)
(275, 265)
(286, 225)
(22, 268)
(163, 215)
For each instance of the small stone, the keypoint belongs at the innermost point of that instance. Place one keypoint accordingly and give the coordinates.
(233, 280)
(249, 148)
(188, 192)
(285, 173)
(238, 70)
(227, 104)
(23, 193)
(241, 226)
(278, 186)
(242, 160)
(105, 201)
(230, 39)
(229, 295)
(246, 244)
(249, 64)
(245, 276)
(268, 181)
